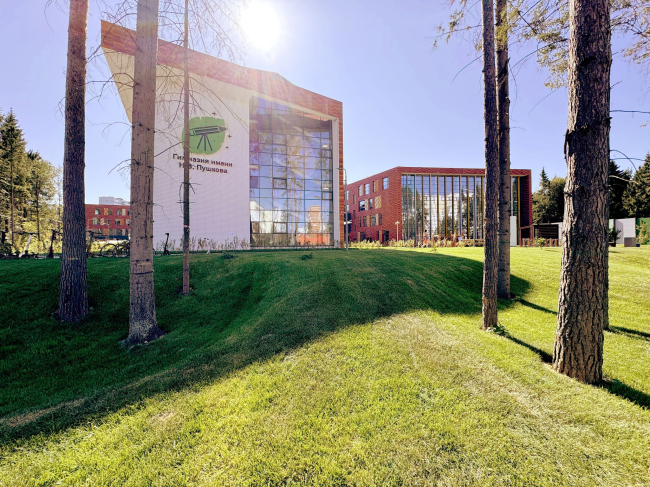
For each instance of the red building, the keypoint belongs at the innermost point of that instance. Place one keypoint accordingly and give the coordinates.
(426, 202)
(108, 221)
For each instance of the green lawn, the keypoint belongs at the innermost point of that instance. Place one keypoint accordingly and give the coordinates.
(359, 368)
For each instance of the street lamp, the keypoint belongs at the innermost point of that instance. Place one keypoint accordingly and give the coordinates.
(345, 211)
(397, 223)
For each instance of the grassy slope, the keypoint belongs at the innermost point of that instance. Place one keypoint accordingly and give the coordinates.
(366, 369)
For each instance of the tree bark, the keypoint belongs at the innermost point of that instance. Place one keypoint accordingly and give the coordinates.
(73, 287)
(143, 326)
(583, 304)
(503, 100)
(491, 248)
(186, 159)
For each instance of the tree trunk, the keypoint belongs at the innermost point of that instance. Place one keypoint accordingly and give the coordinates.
(186, 160)
(142, 316)
(491, 247)
(503, 100)
(582, 312)
(73, 287)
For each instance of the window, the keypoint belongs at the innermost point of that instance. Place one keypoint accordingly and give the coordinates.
(373, 220)
(360, 190)
(108, 222)
(95, 221)
(365, 221)
(128, 212)
(380, 219)
(118, 222)
(362, 205)
(347, 194)
(370, 204)
(359, 221)
(378, 202)
(354, 199)
(105, 211)
(101, 221)
(367, 188)
(385, 183)
(374, 186)
(347, 208)
(128, 222)
(110, 212)
(97, 212)
(279, 183)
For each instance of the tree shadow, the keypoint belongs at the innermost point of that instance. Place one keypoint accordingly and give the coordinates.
(612, 385)
(629, 332)
(546, 357)
(537, 307)
(242, 311)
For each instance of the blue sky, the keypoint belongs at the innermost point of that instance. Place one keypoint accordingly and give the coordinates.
(401, 103)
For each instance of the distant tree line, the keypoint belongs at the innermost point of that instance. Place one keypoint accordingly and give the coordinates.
(29, 189)
(629, 194)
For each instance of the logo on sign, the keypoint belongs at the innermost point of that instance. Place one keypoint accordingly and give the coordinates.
(206, 134)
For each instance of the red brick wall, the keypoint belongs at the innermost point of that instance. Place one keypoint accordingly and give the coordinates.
(391, 206)
(106, 229)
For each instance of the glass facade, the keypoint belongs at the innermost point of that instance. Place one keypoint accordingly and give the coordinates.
(443, 206)
(291, 178)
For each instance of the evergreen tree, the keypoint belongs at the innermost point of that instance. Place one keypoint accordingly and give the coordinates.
(617, 186)
(636, 197)
(544, 180)
(548, 201)
(13, 175)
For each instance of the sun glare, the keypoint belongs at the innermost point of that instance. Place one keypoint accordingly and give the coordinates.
(261, 24)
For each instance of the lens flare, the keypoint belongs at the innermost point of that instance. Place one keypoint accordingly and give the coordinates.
(261, 25)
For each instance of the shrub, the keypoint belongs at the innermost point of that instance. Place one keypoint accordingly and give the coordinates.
(540, 242)
(643, 234)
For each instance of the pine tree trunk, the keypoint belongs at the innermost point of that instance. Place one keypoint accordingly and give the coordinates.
(186, 160)
(491, 248)
(582, 312)
(73, 287)
(503, 100)
(142, 316)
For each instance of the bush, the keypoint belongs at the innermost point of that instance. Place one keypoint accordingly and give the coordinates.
(643, 234)
(366, 244)
(540, 242)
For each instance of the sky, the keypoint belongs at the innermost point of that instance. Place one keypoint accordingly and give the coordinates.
(403, 104)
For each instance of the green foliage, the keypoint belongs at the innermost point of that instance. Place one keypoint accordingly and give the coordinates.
(548, 201)
(613, 234)
(34, 183)
(358, 368)
(618, 184)
(636, 198)
(365, 244)
(642, 233)
(540, 242)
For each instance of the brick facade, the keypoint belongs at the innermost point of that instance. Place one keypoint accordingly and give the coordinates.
(391, 199)
(108, 221)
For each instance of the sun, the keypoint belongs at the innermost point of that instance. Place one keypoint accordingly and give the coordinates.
(261, 25)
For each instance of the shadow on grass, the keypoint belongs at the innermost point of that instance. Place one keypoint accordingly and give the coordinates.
(546, 357)
(629, 332)
(537, 307)
(242, 310)
(614, 386)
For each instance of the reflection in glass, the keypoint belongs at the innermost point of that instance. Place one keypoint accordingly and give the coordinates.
(291, 196)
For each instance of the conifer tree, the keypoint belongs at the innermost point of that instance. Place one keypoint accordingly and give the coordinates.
(636, 198)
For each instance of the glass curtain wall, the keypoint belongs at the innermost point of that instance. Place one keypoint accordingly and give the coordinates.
(444, 206)
(291, 179)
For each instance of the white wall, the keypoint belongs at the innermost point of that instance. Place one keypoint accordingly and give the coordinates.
(219, 201)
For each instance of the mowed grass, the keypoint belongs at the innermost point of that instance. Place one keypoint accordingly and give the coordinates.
(359, 368)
